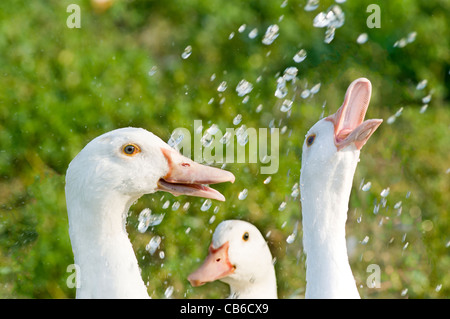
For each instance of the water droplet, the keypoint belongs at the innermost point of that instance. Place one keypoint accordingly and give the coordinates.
(207, 139)
(404, 292)
(162, 254)
(385, 192)
(295, 191)
(300, 56)
(175, 206)
(320, 20)
(244, 87)
(290, 73)
(242, 28)
(166, 204)
(212, 219)
(311, 5)
(290, 239)
(206, 205)
(175, 138)
(286, 105)
(153, 244)
(282, 206)
(153, 70)
(426, 99)
(242, 135)
(391, 119)
(329, 34)
(225, 138)
(438, 288)
(421, 85)
(243, 194)
(315, 88)
(222, 86)
(398, 205)
(267, 180)
(281, 90)
(252, 34)
(187, 52)
(305, 94)
(365, 240)
(271, 34)
(362, 38)
(259, 108)
(411, 37)
(231, 36)
(169, 291)
(423, 108)
(237, 119)
(213, 129)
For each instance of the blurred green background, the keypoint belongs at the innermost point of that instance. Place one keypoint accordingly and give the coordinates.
(61, 87)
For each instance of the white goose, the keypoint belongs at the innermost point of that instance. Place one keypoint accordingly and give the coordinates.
(102, 182)
(240, 257)
(330, 155)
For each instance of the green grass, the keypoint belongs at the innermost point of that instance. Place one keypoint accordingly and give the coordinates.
(61, 87)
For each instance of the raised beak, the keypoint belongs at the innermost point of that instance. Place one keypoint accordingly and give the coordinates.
(186, 177)
(349, 124)
(216, 266)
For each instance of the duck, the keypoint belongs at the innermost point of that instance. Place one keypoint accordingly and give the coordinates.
(240, 257)
(330, 154)
(102, 182)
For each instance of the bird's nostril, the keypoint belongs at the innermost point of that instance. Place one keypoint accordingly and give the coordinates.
(218, 259)
(185, 164)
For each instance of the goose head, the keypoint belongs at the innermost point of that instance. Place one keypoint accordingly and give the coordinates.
(339, 137)
(239, 256)
(133, 161)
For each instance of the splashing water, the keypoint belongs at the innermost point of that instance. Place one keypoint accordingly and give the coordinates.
(169, 291)
(237, 119)
(186, 53)
(311, 5)
(243, 194)
(362, 38)
(286, 105)
(385, 192)
(206, 205)
(253, 34)
(153, 244)
(300, 56)
(143, 220)
(271, 34)
(366, 186)
(244, 87)
(334, 18)
(421, 85)
(222, 86)
(290, 73)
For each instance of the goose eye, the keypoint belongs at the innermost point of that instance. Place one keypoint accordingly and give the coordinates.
(131, 149)
(310, 139)
(245, 236)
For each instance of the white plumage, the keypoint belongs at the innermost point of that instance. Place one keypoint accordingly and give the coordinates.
(102, 182)
(240, 257)
(329, 159)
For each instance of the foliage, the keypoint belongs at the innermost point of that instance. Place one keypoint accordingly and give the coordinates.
(62, 87)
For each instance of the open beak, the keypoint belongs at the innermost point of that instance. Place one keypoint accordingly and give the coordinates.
(186, 177)
(349, 124)
(216, 266)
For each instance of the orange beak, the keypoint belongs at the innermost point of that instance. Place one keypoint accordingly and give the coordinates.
(217, 265)
(348, 121)
(186, 177)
